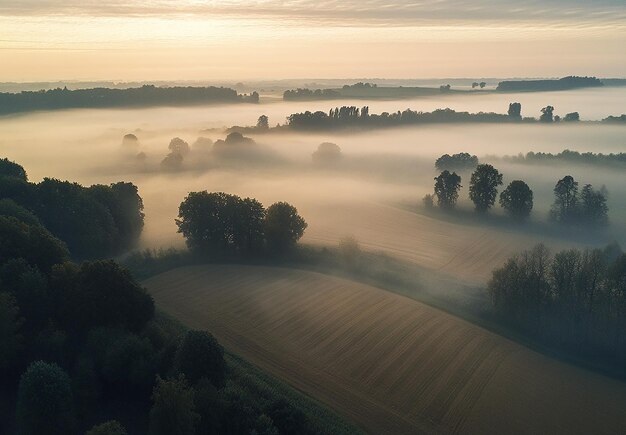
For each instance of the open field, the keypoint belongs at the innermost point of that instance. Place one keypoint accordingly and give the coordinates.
(389, 363)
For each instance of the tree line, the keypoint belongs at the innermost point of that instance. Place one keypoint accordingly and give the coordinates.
(352, 116)
(565, 83)
(574, 299)
(147, 95)
(571, 206)
(587, 158)
(221, 225)
(95, 221)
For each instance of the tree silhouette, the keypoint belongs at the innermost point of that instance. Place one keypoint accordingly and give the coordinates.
(484, 187)
(447, 187)
(263, 123)
(482, 85)
(547, 114)
(517, 199)
(515, 110)
(565, 204)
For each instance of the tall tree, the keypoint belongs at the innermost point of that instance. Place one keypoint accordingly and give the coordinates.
(283, 226)
(447, 187)
(593, 207)
(517, 199)
(547, 114)
(565, 205)
(515, 110)
(484, 187)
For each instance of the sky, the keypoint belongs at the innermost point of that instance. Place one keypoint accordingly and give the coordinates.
(143, 40)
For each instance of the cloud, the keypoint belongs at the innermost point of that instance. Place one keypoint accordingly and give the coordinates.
(346, 12)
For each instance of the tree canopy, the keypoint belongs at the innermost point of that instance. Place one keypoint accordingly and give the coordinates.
(447, 187)
(517, 199)
(484, 187)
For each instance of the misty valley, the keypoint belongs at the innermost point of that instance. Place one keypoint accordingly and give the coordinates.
(314, 258)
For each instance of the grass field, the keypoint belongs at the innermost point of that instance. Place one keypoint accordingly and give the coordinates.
(386, 362)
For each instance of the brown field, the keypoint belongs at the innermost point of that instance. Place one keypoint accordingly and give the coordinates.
(465, 252)
(386, 362)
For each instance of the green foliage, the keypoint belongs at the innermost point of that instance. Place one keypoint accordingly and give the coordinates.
(565, 207)
(12, 169)
(11, 339)
(447, 187)
(456, 162)
(173, 411)
(100, 293)
(484, 187)
(130, 364)
(517, 199)
(112, 427)
(201, 356)
(515, 111)
(221, 223)
(33, 243)
(593, 207)
(10, 208)
(572, 117)
(283, 226)
(288, 419)
(44, 403)
(547, 114)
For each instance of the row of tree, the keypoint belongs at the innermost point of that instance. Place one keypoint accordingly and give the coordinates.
(570, 207)
(347, 116)
(147, 95)
(218, 224)
(588, 158)
(574, 299)
(93, 221)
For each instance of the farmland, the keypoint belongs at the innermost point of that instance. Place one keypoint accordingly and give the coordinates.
(388, 363)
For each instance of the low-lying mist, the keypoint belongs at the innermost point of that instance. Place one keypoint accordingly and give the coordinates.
(371, 188)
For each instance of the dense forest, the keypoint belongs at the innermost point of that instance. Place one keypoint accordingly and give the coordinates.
(562, 84)
(82, 348)
(95, 221)
(361, 90)
(144, 96)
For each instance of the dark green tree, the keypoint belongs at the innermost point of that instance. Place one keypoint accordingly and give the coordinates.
(517, 199)
(263, 123)
(173, 411)
(447, 187)
(515, 110)
(283, 226)
(484, 187)
(565, 207)
(201, 356)
(572, 117)
(593, 207)
(44, 401)
(11, 340)
(12, 169)
(112, 427)
(547, 114)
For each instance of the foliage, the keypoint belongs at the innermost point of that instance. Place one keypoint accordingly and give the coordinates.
(201, 356)
(12, 169)
(173, 411)
(112, 427)
(45, 403)
(456, 162)
(547, 114)
(327, 152)
(287, 419)
(447, 187)
(572, 117)
(484, 187)
(11, 340)
(515, 111)
(219, 223)
(10, 208)
(263, 123)
(517, 199)
(599, 159)
(589, 208)
(574, 298)
(570, 82)
(283, 226)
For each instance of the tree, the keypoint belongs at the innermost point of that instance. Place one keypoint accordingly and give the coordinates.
(12, 169)
(447, 187)
(111, 427)
(456, 162)
(517, 199)
(565, 205)
(547, 114)
(572, 117)
(173, 411)
(179, 146)
(100, 293)
(283, 226)
(201, 356)
(10, 336)
(263, 123)
(44, 401)
(219, 223)
(475, 85)
(287, 418)
(484, 187)
(593, 208)
(482, 85)
(515, 110)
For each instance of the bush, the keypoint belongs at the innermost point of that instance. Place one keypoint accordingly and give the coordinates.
(44, 403)
(201, 356)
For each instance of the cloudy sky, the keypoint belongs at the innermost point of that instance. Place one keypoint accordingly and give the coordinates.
(236, 39)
